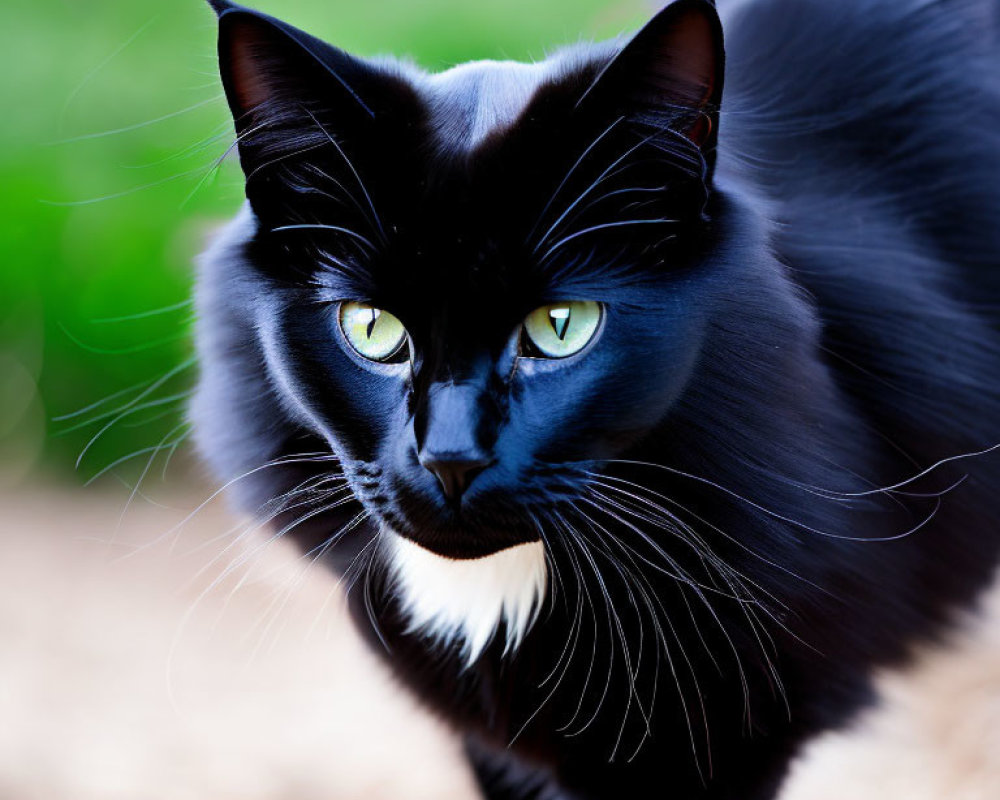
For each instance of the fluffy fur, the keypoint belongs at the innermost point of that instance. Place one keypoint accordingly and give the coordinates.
(767, 477)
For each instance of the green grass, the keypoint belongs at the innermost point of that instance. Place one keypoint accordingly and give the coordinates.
(100, 225)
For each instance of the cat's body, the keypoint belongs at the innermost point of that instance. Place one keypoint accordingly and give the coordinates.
(732, 471)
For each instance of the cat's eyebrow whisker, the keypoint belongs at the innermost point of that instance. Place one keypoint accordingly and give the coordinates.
(124, 192)
(344, 193)
(603, 226)
(618, 193)
(337, 262)
(240, 138)
(283, 157)
(342, 266)
(693, 155)
(336, 228)
(621, 170)
(93, 71)
(583, 195)
(217, 162)
(569, 174)
(354, 172)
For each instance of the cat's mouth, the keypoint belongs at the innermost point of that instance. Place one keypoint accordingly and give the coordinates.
(459, 538)
(464, 602)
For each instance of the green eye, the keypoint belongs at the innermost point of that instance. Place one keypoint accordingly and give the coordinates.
(562, 329)
(374, 333)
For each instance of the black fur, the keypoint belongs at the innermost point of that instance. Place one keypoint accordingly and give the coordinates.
(815, 325)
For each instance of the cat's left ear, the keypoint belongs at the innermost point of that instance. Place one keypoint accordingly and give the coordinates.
(670, 74)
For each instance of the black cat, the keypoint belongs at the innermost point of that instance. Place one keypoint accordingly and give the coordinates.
(644, 419)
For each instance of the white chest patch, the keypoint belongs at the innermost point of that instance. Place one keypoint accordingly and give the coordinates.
(461, 602)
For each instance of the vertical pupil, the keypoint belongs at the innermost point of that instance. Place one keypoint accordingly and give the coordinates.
(559, 320)
(371, 323)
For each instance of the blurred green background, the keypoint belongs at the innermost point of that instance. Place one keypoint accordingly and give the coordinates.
(114, 122)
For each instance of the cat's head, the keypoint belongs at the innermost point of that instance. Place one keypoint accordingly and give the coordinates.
(467, 271)
(475, 287)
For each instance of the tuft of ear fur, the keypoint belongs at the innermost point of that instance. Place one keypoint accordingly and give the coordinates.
(670, 74)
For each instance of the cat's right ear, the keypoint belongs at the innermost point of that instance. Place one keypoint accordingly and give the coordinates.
(263, 60)
(292, 94)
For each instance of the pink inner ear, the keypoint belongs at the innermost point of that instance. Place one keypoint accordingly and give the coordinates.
(687, 61)
(246, 69)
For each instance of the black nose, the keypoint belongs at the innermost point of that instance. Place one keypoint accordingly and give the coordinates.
(455, 474)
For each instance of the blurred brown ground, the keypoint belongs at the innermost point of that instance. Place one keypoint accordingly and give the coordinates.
(121, 677)
(137, 664)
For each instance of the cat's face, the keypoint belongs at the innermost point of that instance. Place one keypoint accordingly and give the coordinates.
(479, 282)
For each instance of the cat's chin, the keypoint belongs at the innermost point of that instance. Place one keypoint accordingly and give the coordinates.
(461, 603)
